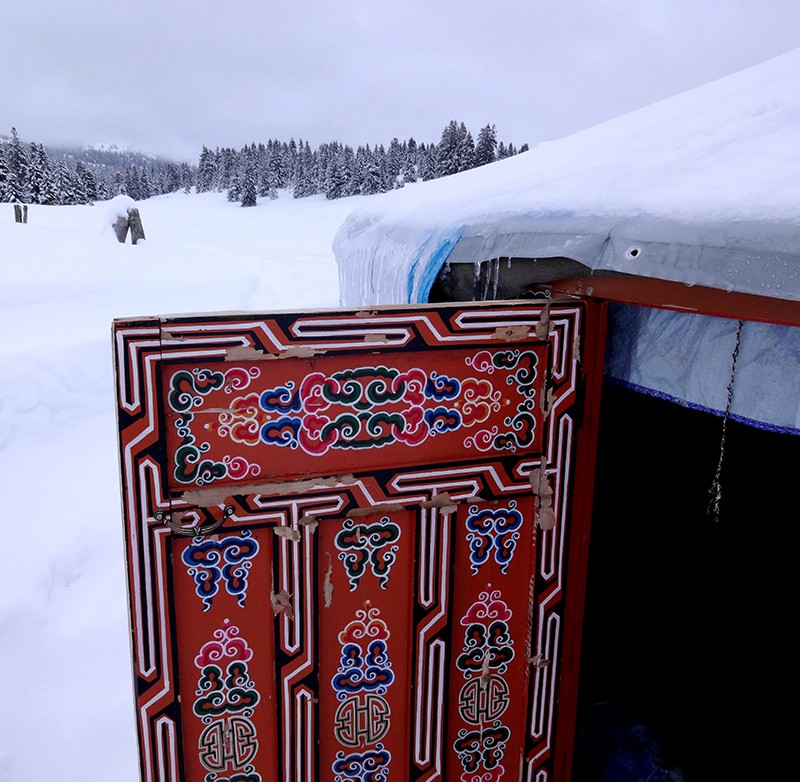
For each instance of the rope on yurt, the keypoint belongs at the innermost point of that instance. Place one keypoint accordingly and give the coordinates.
(715, 493)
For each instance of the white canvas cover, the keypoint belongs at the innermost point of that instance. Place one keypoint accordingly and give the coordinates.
(702, 188)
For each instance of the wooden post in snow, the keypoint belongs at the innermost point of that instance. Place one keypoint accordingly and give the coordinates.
(17, 213)
(135, 222)
(121, 228)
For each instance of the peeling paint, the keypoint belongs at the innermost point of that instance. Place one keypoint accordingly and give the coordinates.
(512, 333)
(327, 586)
(542, 329)
(282, 603)
(539, 661)
(214, 495)
(287, 532)
(540, 485)
(300, 351)
(310, 522)
(244, 353)
(438, 501)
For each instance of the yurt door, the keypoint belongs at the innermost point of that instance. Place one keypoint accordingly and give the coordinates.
(348, 535)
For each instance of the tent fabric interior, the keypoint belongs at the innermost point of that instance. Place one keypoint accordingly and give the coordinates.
(685, 623)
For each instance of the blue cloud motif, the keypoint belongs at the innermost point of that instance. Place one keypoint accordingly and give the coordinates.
(440, 387)
(443, 419)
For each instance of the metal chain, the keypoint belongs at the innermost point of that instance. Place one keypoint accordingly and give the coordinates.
(715, 493)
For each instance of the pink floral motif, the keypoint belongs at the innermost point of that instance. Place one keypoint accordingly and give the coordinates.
(417, 429)
(481, 361)
(243, 422)
(227, 644)
(312, 388)
(366, 625)
(480, 400)
(483, 440)
(239, 467)
(239, 378)
(415, 380)
(488, 606)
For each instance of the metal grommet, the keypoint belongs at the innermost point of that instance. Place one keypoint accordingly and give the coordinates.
(633, 252)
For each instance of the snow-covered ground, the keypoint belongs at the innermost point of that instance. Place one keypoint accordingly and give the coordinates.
(64, 651)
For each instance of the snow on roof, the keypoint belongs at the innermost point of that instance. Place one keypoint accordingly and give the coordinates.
(705, 186)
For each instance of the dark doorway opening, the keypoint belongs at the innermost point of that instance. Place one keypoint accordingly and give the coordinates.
(688, 623)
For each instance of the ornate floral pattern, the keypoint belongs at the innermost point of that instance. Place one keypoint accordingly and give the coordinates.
(360, 683)
(483, 698)
(353, 409)
(224, 701)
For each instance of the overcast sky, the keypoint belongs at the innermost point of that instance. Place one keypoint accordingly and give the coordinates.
(168, 76)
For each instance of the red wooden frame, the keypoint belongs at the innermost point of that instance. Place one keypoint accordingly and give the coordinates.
(665, 294)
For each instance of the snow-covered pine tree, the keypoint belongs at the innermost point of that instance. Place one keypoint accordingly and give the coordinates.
(375, 179)
(465, 149)
(38, 173)
(64, 182)
(337, 173)
(146, 189)
(132, 183)
(447, 149)
(85, 184)
(17, 162)
(205, 171)
(394, 159)
(426, 162)
(280, 164)
(305, 183)
(486, 147)
(79, 189)
(186, 178)
(409, 170)
(5, 176)
(248, 176)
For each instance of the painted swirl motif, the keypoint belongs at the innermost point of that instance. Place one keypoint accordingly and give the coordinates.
(363, 717)
(187, 390)
(520, 368)
(224, 701)
(226, 561)
(353, 409)
(368, 546)
(493, 532)
(484, 696)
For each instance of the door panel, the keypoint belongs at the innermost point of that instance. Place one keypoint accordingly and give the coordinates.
(347, 538)
(226, 653)
(365, 620)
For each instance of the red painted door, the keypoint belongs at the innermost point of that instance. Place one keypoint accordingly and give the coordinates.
(348, 535)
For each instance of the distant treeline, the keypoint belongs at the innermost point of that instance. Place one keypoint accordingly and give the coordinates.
(337, 170)
(32, 174)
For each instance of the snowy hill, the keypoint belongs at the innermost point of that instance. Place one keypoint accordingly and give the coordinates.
(65, 277)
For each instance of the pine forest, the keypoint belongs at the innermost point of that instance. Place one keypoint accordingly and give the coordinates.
(32, 174)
